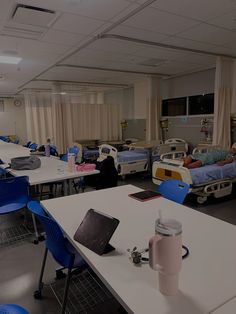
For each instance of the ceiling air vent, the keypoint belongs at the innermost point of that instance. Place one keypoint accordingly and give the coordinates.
(26, 14)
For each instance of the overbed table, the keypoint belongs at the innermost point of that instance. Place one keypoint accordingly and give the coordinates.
(208, 276)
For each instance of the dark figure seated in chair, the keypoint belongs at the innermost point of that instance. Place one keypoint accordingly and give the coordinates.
(108, 176)
(220, 157)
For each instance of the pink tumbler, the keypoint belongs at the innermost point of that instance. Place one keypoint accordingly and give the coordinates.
(165, 254)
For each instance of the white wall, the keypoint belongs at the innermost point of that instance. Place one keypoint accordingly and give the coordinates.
(13, 120)
(124, 97)
(188, 85)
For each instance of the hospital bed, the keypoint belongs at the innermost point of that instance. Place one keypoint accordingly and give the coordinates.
(126, 162)
(204, 181)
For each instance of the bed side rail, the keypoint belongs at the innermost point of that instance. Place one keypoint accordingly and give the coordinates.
(205, 149)
(168, 148)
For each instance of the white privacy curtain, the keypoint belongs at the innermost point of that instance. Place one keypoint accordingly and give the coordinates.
(67, 117)
(38, 116)
(153, 109)
(222, 101)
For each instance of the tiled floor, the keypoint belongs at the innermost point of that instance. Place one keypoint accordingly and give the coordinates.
(20, 263)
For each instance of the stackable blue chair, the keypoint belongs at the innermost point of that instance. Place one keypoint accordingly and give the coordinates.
(174, 190)
(61, 249)
(3, 173)
(17, 141)
(4, 138)
(12, 309)
(14, 194)
(33, 146)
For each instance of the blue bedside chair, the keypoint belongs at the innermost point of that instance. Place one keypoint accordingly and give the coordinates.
(12, 309)
(174, 190)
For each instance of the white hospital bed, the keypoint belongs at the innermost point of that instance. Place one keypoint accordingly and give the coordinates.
(126, 162)
(204, 181)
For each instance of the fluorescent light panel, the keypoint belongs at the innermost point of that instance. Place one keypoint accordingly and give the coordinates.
(10, 60)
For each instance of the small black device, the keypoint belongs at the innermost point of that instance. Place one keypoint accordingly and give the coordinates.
(96, 230)
(145, 195)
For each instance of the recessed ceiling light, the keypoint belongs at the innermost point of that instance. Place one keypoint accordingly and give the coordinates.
(10, 59)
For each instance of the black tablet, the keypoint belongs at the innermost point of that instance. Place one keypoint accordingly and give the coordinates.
(145, 195)
(96, 230)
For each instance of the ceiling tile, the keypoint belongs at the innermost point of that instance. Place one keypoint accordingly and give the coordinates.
(114, 46)
(139, 33)
(154, 20)
(77, 24)
(102, 9)
(201, 9)
(187, 43)
(60, 37)
(173, 68)
(209, 34)
(227, 20)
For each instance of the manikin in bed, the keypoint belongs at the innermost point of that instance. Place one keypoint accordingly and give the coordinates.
(210, 173)
(219, 157)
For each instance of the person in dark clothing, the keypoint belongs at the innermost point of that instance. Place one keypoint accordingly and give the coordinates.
(108, 176)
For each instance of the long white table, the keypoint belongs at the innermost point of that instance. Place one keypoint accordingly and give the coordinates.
(52, 169)
(207, 278)
(227, 308)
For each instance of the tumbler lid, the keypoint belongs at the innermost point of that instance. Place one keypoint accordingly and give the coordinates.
(168, 227)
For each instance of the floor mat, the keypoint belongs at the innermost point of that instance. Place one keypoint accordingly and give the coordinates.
(86, 294)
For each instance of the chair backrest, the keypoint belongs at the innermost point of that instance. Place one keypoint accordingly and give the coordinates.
(3, 173)
(14, 189)
(4, 138)
(53, 150)
(174, 190)
(71, 150)
(55, 240)
(33, 146)
(12, 309)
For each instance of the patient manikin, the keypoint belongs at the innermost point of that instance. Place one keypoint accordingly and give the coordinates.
(220, 157)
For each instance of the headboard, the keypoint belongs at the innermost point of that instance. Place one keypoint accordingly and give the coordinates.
(107, 150)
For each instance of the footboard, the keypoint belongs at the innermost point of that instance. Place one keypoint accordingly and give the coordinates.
(170, 169)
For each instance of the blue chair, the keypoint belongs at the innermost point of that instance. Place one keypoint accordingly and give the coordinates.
(3, 173)
(71, 150)
(27, 144)
(12, 309)
(174, 190)
(4, 138)
(14, 194)
(53, 150)
(33, 146)
(61, 249)
(16, 141)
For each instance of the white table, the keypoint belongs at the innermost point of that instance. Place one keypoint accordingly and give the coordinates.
(208, 276)
(227, 308)
(52, 169)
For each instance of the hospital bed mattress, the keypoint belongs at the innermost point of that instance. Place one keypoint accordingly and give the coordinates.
(214, 172)
(131, 155)
(90, 153)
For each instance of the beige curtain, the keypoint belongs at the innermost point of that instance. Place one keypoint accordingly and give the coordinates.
(153, 109)
(38, 116)
(65, 118)
(222, 101)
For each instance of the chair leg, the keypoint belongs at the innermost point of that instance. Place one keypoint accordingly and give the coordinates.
(37, 294)
(66, 291)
